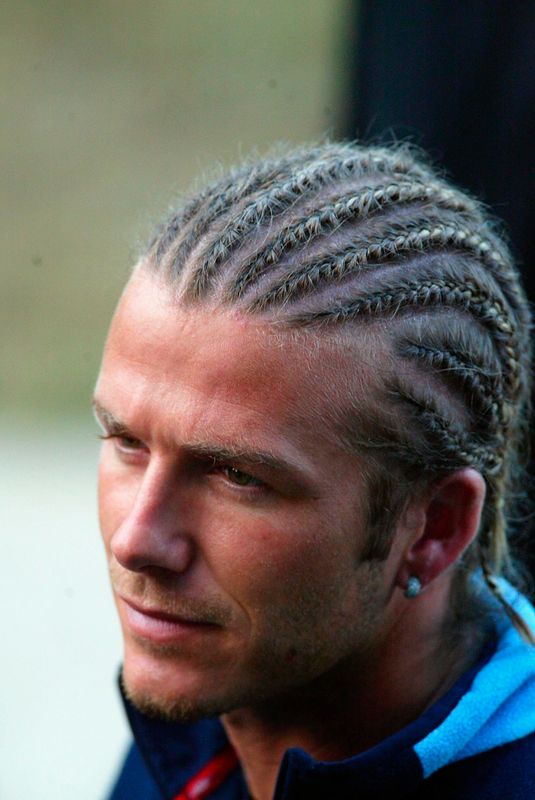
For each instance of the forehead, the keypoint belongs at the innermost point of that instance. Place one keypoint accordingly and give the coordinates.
(163, 359)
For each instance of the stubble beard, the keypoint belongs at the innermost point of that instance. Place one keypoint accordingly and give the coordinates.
(168, 709)
(275, 672)
(157, 704)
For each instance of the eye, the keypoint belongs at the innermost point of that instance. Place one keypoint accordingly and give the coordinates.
(124, 442)
(239, 478)
(128, 443)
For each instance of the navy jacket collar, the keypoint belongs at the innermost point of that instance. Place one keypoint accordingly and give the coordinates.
(175, 752)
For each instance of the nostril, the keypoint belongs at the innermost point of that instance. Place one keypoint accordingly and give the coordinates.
(138, 547)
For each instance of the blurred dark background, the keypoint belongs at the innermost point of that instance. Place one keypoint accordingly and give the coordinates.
(458, 79)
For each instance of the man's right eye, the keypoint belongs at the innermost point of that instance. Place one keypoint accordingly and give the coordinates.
(124, 443)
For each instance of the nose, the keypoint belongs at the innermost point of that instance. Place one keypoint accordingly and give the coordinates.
(155, 533)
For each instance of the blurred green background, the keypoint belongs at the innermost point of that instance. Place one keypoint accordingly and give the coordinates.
(110, 111)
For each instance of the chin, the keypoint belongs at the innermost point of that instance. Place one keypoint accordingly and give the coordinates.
(170, 709)
(162, 689)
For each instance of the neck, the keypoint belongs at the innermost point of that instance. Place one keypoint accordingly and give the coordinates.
(354, 706)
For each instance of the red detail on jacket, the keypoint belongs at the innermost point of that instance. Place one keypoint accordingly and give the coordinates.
(210, 777)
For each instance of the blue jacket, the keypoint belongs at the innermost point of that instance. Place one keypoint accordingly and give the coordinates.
(476, 743)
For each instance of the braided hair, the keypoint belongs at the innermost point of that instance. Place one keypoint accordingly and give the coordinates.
(345, 235)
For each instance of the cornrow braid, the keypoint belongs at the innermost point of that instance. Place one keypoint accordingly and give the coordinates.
(466, 295)
(209, 204)
(329, 217)
(478, 386)
(372, 238)
(489, 310)
(418, 235)
(455, 444)
(364, 251)
(284, 195)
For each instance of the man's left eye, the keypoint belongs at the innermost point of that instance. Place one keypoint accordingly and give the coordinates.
(240, 478)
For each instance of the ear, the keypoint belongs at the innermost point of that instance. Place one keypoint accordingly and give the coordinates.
(449, 516)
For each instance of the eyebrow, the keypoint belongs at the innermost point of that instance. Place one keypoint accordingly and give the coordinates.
(216, 451)
(106, 417)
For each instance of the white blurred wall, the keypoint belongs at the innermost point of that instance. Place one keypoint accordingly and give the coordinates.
(62, 731)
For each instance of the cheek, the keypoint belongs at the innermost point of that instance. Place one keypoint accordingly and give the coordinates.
(267, 564)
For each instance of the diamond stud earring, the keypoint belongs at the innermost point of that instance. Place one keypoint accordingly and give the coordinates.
(413, 588)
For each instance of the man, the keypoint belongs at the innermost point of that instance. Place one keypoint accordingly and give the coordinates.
(313, 396)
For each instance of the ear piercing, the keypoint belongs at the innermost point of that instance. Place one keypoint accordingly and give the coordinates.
(413, 588)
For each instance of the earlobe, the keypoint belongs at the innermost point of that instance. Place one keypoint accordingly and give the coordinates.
(450, 515)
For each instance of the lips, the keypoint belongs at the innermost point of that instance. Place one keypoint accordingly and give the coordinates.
(160, 626)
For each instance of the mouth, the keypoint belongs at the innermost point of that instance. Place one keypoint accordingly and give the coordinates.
(159, 626)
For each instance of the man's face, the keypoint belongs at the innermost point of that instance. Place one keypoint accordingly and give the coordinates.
(232, 518)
